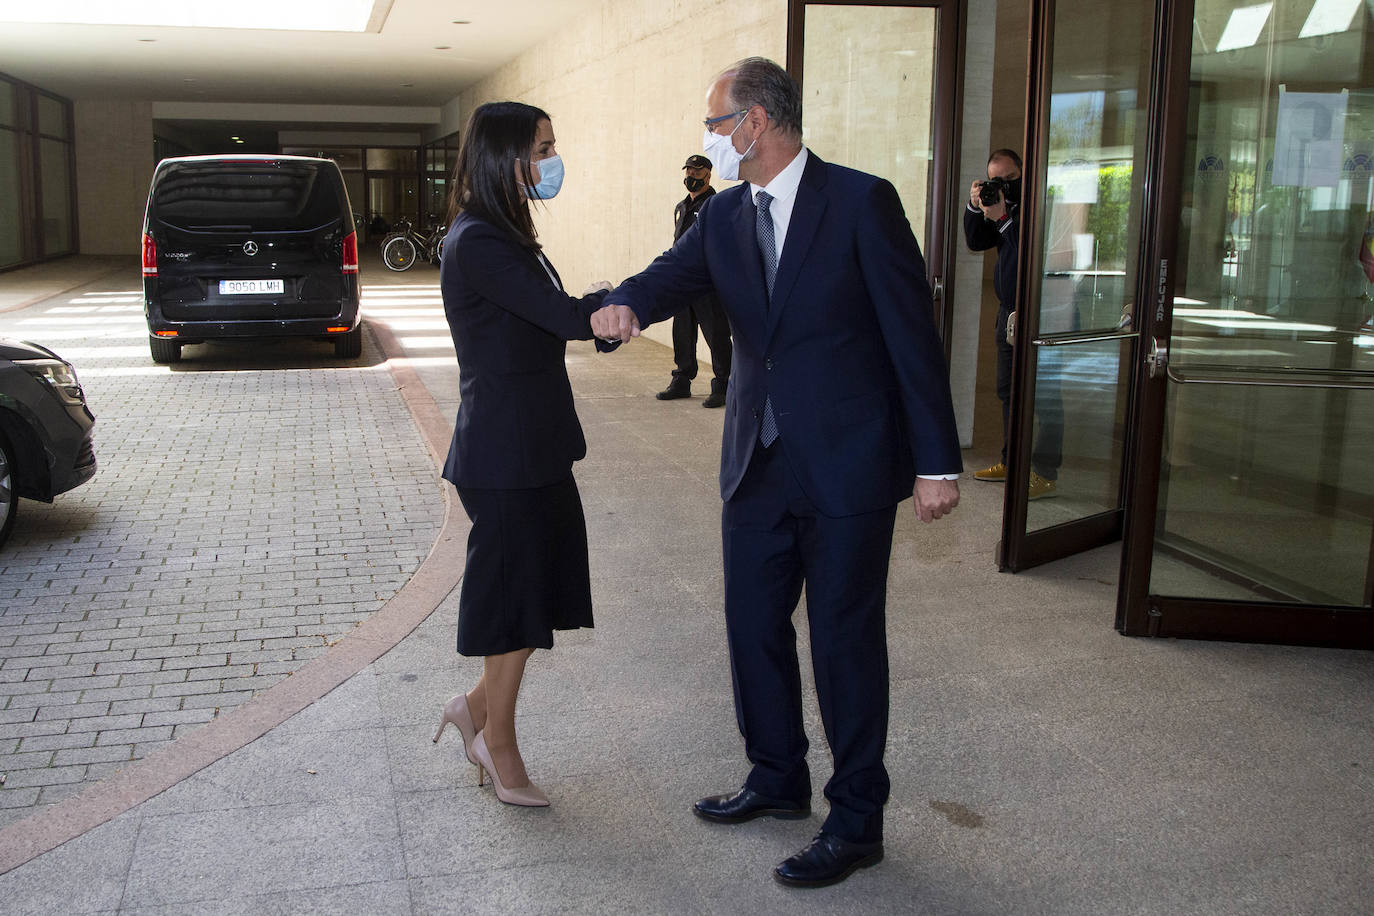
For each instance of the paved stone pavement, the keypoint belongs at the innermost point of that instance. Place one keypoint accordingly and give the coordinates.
(252, 505)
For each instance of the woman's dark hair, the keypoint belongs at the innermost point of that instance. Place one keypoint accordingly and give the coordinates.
(484, 182)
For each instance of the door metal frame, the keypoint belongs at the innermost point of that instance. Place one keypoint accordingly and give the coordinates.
(1140, 613)
(947, 97)
(1013, 548)
(1018, 548)
(1169, 98)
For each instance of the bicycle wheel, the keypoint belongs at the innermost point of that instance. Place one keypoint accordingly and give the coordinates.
(399, 253)
(437, 246)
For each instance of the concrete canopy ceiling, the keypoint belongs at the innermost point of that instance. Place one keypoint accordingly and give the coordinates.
(400, 64)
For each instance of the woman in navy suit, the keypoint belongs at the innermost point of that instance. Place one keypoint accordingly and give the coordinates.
(517, 433)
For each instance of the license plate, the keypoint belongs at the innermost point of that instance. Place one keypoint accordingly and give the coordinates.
(250, 287)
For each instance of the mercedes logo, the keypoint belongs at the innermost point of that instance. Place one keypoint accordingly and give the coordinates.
(250, 248)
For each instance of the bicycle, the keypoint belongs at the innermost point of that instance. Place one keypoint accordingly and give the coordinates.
(401, 248)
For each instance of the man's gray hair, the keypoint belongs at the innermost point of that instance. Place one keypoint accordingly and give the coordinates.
(759, 81)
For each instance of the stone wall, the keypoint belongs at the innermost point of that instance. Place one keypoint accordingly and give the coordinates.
(114, 166)
(626, 88)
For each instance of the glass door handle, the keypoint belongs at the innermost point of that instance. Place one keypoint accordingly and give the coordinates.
(1079, 337)
(1157, 360)
(937, 288)
(1270, 377)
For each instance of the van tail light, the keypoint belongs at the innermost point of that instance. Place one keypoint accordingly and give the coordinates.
(350, 253)
(150, 256)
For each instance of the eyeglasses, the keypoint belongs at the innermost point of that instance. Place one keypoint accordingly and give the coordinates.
(711, 123)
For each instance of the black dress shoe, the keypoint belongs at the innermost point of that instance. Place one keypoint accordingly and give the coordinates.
(677, 388)
(746, 804)
(717, 396)
(828, 860)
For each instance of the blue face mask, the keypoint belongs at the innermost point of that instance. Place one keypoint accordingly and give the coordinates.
(550, 179)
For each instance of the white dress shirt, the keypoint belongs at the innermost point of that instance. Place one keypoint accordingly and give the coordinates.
(783, 189)
(548, 269)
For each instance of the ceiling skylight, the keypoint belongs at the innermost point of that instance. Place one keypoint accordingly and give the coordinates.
(297, 15)
(1329, 16)
(1244, 27)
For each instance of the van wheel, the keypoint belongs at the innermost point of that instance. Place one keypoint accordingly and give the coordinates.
(9, 500)
(399, 253)
(164, 351)
(350, 345)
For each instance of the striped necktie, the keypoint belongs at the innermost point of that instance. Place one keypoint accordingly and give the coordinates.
(768, 250)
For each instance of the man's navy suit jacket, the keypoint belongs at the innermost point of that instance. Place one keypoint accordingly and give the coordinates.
(847, 348)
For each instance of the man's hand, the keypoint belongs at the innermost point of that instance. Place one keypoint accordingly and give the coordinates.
(973, 198)
(934, 498)
(996, 211)
(615, 322)
(993, 212)
(597, 287)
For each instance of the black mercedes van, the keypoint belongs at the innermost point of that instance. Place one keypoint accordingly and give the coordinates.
(249, 247)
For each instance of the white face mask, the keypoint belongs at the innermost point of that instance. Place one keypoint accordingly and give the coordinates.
(720, 149)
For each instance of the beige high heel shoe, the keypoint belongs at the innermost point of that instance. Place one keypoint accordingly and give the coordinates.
(529, 796)
(456, 711)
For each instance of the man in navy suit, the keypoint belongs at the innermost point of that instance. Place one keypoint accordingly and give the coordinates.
(838, 399)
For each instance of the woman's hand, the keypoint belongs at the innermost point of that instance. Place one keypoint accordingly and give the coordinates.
(597, 287)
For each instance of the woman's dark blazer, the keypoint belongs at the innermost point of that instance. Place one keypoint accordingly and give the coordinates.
(516, 425)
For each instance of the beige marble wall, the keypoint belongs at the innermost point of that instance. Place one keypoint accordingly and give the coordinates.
(973, 381)
(625, 88)
(114, 166)
(1007, 24)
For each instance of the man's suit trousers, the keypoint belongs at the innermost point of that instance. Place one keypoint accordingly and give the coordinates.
(776, 543)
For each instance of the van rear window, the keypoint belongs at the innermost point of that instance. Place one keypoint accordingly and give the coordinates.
(280, 195)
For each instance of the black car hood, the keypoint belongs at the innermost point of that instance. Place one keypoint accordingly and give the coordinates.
(21, 349)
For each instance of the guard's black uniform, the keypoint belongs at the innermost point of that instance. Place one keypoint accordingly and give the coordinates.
(705, 312)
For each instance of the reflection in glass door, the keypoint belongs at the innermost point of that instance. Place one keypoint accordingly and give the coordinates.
(1265, 510)
(1080, 254)
(879, 97)
(869, 70)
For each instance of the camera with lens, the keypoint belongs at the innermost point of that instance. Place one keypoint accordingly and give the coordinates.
(993, 190)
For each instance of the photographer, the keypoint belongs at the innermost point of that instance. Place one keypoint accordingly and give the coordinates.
(992, 221)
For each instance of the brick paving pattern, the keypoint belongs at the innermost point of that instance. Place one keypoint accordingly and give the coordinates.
(252, 505)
